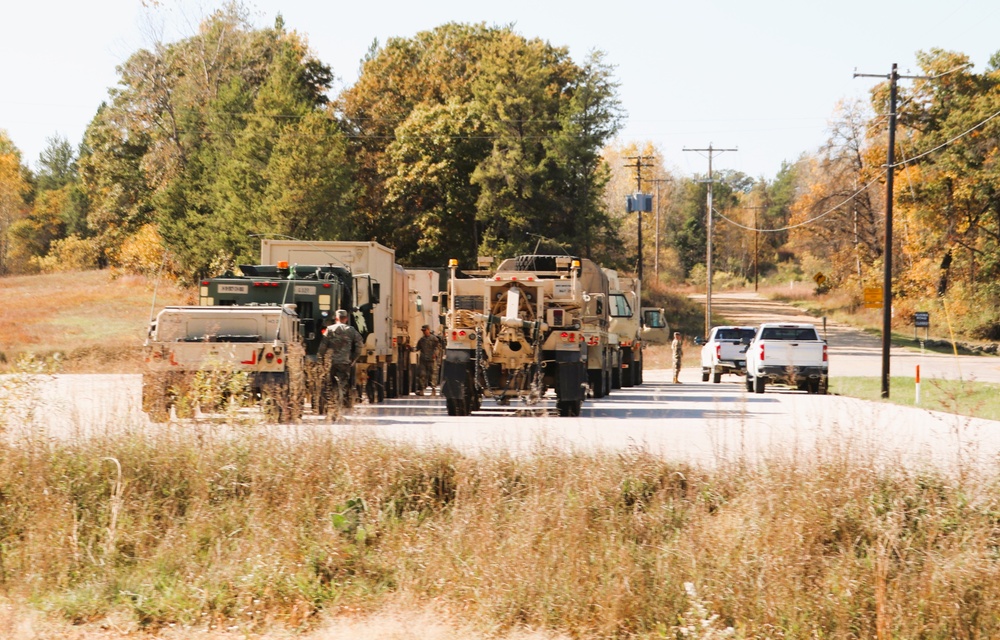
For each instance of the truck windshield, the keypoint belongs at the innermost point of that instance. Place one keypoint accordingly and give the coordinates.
(789, 333)
(735, 335)
(654, 319)
(620, 308)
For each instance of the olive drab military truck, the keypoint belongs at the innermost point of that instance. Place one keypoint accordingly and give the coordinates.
(521, 330)
(316, 291)
(262, 343)
(379, 309)
(625, 331)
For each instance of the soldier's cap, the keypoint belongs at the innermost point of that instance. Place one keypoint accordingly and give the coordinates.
(425, 328)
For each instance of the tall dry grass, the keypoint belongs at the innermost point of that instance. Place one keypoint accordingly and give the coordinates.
(257, 528)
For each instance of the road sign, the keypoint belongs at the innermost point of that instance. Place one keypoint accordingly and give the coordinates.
(873, 297)
(921, 319)
(819, 278)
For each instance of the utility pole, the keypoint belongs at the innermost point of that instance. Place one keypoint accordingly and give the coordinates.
(639, 164)
(708, 257)
(656, 256)
(890, 162)
(756, 238)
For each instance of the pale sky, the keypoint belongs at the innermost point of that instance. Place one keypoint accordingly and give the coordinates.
(763, 76)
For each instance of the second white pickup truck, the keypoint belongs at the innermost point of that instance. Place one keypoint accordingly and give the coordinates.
(791, 354)
(725, 352)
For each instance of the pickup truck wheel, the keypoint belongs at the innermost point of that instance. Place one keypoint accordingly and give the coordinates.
(716, 378)
(824, 386)
(704, 375)
(749, 382)
(758, 385)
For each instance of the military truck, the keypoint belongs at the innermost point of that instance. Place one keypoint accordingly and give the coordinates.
(261, 342)
(518, 332)
(316, 292)
(625, 332)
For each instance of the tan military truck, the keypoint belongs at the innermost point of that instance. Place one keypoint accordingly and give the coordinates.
(520, 331)
(261, 343)
(625, 332)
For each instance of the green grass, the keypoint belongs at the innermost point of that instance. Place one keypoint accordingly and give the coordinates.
(975, 399)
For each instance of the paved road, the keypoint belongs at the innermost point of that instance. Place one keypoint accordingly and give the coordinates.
(692, 421)
(853, 352)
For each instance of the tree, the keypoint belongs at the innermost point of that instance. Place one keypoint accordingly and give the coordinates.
(469, 138)
(14, 186)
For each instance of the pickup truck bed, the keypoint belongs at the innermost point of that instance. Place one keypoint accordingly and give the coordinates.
(791, 354)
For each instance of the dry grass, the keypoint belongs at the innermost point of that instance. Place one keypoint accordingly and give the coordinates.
(256, 531)
(94, 321)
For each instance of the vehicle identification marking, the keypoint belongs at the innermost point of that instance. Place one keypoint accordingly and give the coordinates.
(305, 290)
(233, 288)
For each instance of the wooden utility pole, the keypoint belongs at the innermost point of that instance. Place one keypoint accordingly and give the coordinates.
(639, 164)
(708, 232)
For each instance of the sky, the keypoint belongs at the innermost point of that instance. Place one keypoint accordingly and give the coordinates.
(763, 77)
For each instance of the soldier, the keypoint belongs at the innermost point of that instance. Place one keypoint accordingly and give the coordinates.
(344, 344)
(678, 348)
(427, 347)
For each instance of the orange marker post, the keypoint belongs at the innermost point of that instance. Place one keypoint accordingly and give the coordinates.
(918, 385)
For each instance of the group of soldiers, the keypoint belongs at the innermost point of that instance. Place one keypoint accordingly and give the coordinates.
(344, 345)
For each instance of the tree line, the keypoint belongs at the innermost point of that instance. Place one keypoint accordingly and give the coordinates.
(470, 140)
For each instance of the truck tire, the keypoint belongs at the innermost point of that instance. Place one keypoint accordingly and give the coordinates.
(717, 377)
(705, 373)
(758, 385)
(596, 378)
(628, 369)
(569, 408)
(824, 386)
(616, 376)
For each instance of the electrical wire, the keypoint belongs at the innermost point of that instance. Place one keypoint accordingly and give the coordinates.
(805, 222)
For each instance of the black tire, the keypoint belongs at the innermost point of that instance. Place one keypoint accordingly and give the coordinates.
(758, 385)
(616, 376)
(749, 382)
(705, 375)
(452, 411)
(716, 378)
(628, 369)
(596, 383)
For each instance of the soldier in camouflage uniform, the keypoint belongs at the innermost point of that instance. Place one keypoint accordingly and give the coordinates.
(677, 346)
(344, 344)
(427, 348)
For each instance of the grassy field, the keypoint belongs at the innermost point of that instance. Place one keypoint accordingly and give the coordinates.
(94, 321)
(975, 399)
(252, 531)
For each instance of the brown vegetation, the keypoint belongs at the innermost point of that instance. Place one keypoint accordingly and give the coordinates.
(93, 320)
(257, 529)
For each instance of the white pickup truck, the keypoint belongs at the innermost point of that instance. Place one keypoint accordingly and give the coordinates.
(791, 354)
(725, 352)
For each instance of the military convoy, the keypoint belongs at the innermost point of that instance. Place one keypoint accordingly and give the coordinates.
(534, 323)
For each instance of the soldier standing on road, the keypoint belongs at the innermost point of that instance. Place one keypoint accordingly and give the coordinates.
(678, 348)
(344, 344)
(427, 347)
